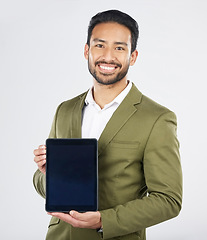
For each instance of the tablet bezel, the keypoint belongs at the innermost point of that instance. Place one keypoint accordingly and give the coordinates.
(78, 142)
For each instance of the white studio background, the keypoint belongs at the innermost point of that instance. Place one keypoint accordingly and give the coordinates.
(42, 64)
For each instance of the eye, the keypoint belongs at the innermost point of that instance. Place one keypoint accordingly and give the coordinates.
(120, 48)
(99, 45)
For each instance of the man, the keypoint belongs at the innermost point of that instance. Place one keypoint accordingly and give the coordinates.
(140, 179)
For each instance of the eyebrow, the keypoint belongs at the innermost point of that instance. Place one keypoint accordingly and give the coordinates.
(103, 41)
(98, 40)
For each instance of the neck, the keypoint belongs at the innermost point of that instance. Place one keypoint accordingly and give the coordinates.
(104, 94)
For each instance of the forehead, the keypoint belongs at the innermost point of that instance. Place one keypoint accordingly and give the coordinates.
(111, 32)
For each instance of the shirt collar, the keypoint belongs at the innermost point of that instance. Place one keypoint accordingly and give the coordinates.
(89, 97)
(123, 94)
(90, 100)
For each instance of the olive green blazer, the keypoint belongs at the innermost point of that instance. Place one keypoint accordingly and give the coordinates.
(140, 178)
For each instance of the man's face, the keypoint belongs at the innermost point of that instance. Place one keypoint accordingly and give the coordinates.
(109, 55)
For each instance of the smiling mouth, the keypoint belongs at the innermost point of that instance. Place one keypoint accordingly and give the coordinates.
(107, 68)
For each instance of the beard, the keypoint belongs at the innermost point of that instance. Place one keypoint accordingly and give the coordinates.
(107, 78)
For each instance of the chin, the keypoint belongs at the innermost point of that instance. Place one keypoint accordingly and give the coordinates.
(107, 82)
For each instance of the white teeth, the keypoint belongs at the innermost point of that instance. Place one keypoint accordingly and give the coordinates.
(107, 68)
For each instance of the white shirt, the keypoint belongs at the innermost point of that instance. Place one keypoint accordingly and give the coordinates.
(94, 119)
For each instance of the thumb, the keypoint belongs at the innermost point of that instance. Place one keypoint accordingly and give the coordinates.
(76, 215)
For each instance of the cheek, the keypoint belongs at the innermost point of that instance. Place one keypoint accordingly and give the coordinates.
(126, 61)
(92, 57)
(124, 58)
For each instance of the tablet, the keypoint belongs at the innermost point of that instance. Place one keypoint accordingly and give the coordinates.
(71, 175)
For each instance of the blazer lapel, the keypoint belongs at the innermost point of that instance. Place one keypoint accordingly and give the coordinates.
(120, 117)
(75, 131)
(126, 109)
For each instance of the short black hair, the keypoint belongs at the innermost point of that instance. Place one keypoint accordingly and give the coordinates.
(117, 17)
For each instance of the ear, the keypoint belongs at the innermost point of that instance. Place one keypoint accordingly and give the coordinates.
(133, 57)
(86, 51)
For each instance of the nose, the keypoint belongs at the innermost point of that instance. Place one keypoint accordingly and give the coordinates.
(108, 54)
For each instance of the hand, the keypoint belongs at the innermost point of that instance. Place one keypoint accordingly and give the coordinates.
(80, 220)
(40, 158)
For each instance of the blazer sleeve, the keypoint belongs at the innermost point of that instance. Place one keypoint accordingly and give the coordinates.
(163, 177)
(39, 180)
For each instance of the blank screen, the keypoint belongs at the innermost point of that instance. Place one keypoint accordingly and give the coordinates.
(71, 174)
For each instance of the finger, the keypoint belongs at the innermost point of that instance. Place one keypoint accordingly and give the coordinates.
(39, 151)
(66, 218)
(41, 164)
(78, 216)
(86, 216)
(87, 219)
(74, 222)
(42, 146)
(39, 158)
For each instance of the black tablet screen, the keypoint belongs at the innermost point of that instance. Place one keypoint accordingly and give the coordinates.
(71, 175)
